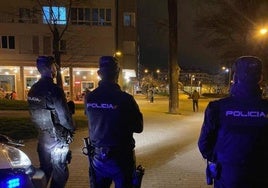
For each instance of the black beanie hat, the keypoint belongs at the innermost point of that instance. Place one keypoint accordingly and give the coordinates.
(43, 62)
(108, 63)
(247, 69)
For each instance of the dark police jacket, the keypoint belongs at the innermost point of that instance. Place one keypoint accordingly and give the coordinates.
(113, 117)
(235, 129)
(48, 105)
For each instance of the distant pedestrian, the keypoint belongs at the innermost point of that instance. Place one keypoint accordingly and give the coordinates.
(13, 95)
(8, 96)
(195, 97)
(151, 94)
(2, 93)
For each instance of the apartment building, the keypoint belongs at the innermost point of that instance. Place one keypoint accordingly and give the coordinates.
(95, 28)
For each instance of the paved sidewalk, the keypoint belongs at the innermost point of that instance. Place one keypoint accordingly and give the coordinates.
(167, 148)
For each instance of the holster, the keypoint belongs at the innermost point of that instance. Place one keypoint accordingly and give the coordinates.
(88, 150)
(69, 157)
(63, 134)
(137, 176)
(212, 172)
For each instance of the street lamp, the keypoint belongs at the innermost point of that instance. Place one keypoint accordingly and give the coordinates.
(146, 71)
(263, 36)
(229, 71)
(263, 31)
(118, 54)
(158, 72)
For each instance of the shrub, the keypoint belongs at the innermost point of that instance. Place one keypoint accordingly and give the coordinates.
(214, 95)
(6, 104)
(17, 128)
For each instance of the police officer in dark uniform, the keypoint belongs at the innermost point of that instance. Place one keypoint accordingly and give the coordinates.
(113, 118)
(50, 114)
(234, 134)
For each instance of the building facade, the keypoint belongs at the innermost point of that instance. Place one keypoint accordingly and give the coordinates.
(95, 28)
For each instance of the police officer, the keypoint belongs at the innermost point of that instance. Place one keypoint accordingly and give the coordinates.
(113, 117)
(49, 112)
(234, 134)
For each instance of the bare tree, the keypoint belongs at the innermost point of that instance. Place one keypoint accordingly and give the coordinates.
(231, 28)
(56, 29)
(173, 68)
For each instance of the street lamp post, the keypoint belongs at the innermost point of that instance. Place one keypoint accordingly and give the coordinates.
(263, 31)
(192, 78)
(118, 56)
(229, 72)
(158, 72)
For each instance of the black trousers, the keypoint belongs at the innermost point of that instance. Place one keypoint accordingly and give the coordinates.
(52, 156)
(195, 105)
(117, 167)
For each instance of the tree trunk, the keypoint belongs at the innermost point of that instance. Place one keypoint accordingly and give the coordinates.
(173, 68)
(57, 55)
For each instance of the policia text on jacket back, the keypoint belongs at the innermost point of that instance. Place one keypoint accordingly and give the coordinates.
(234, 135)
(113, 117)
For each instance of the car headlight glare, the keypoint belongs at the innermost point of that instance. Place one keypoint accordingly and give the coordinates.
(16, 157)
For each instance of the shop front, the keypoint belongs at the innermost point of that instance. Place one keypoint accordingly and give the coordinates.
(19, 79)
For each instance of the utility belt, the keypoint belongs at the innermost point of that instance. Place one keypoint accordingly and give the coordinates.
(104, 152)
(50, 131)
(59, 133)
(110, 152)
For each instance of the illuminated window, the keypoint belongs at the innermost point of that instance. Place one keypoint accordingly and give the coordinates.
(129, 19)
(54, 15)
(7, 80)
(8, 42)
(95, 16)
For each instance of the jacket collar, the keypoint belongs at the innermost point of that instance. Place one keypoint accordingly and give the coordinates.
(244, 90)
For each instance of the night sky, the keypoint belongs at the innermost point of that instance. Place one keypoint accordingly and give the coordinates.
(153, 20)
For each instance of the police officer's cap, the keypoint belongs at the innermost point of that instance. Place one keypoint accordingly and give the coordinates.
(44, 62)
(108, 63)
(248, 68)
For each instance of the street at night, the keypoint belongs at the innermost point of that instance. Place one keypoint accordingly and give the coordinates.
(167, 148)
(97, 54)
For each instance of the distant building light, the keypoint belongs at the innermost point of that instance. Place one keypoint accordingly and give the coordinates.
(54, 15)
(263, 31)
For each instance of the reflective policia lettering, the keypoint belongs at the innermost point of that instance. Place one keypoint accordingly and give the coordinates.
(237, 113)
(34, 99)
(102, 105)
